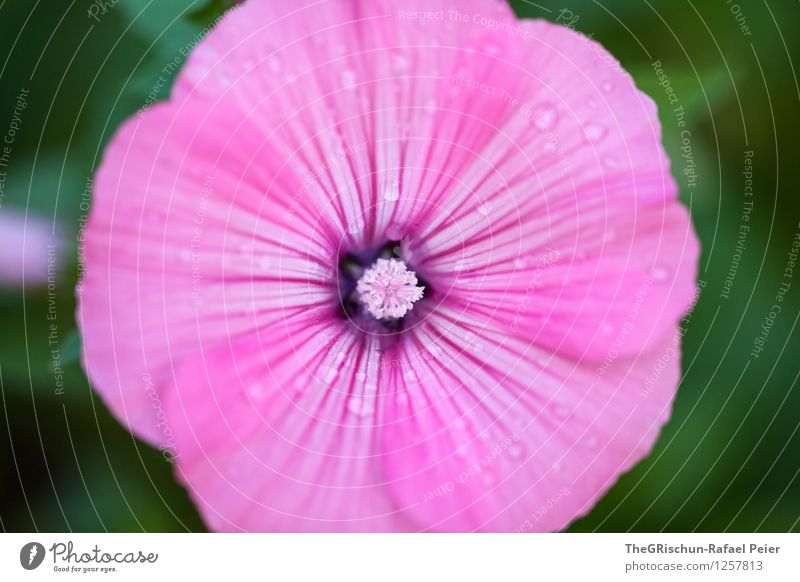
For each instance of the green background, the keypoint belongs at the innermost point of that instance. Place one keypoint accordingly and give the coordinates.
(729, 458)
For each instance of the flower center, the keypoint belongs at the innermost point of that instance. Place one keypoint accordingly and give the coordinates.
(388, 289)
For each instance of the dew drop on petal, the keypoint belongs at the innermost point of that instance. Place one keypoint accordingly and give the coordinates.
(274, 65)
(561, 411)
(360, 406)
(549, 148)
(660, 273)
(460, 424)
(401, 63)
(257, 391)
(349, 79)
(392, 191)
(608, 87)
(356, 226)
(594, 132)
(463, 266)
(545, 116)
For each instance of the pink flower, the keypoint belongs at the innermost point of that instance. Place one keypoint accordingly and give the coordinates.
(252, 304)
(28, 250)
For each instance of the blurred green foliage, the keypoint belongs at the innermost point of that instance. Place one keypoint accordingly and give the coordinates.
(728, 460)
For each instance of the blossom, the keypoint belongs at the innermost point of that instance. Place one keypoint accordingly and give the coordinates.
(251, 300)
(28, 250)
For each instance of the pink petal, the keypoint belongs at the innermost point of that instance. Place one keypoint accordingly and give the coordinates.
(515, 439)
(279, 434)
(183, 247)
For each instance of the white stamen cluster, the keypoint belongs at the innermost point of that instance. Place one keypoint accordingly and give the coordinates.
(388, 289)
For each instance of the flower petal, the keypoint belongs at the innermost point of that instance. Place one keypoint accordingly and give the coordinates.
(280, 434)
(506, 437)
(183, 247)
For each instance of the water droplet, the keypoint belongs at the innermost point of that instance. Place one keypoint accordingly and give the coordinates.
(515, 451)
(434, 350)
(591, 441)
(660, 273)
(356, 226)
(361, 376)
(349, 79)
(545, 116)
(611, 162)
(431, 106)
(257, 391)
(549, 148)
(594, 132)
(274, 65)
(607, 329)
(607, 87)
(394, 232)
(265, 263)
(561, 411)
(360, 406)
(485, 208)
(392, 191)
(401, 63)
(222, 78)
